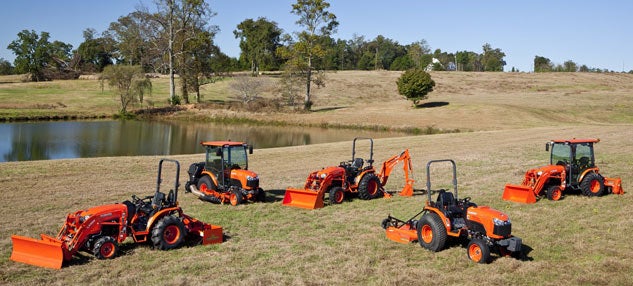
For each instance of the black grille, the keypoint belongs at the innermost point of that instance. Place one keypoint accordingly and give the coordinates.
(253, 184)
(503, 230)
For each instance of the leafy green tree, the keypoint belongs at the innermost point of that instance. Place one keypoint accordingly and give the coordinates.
(95, 53)
(570, 66)
(542, 64)
(130, 84)
(259, 41)
(492, 59)
(416, 52)
(5, 67)
(318, 22)
(132, 36)
(415, 84)
(32, 53)
(402, 63)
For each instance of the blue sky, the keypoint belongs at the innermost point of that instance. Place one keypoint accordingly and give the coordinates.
(595, 33)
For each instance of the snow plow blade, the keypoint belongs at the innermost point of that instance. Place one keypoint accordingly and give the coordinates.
(519, 194)
(46, 252)
(306, 199)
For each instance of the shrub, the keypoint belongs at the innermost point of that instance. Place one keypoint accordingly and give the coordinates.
(415, 84)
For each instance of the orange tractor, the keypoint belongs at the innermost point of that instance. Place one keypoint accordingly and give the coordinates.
(100, 230)
(351, 177)
(449, 216)
(224, 176)
(572, 168)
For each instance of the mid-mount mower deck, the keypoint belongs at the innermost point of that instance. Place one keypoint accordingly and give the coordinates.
(451, 217)
(100, 230)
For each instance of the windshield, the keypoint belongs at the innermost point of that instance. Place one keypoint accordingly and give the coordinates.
(560, 154)
(235, 157)
(584, 156)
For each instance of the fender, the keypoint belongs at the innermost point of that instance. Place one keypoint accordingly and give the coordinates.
(585, 172)
(445, 221)
(214, 179)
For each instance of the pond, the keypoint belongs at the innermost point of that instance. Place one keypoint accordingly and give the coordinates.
(24, 141)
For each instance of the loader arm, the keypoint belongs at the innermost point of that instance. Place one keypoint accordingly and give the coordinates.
(389, 164)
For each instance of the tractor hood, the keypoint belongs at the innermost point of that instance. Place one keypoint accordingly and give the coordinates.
(495, 224)
(331, 171)
(104, 212)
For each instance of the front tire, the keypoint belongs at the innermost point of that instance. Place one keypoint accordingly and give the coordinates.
(369, 187)
(478, 251)
(554, 193)
(592, 185)
(236, 197)
(105, 248)
(336, 195)
(431, 232)
(169, 233)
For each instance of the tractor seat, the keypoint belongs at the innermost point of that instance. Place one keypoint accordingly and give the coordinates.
(447, 203)
(357, 163)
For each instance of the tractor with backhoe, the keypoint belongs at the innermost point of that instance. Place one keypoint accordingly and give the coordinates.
(484, 228)
(352, 177)
(224, 176)
(572, 168)
(156, 219)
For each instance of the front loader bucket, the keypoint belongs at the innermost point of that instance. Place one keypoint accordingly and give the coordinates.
(519, 194)
(46, 252)
(615, 184)
(306, 199)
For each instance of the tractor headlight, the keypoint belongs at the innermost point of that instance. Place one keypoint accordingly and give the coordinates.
(83, 218)
(323, 176)
(249, 178)
(539, 173)
(499, 222)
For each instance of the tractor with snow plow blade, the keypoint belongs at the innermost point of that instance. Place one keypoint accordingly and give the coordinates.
(485, 228)
(155, 219)
(349, 177)
(224, 176)
(572, 168)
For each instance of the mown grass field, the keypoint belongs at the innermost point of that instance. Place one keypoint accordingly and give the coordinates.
(575, 241)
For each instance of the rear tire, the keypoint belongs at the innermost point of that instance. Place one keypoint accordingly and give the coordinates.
(554, 193)
(369, 187)
(478, 251)
(106, 247)
(206, 185)
(169, 233)
(592, 185)
(431, 232)
(336, 196)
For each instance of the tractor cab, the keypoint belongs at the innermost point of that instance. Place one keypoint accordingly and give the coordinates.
(224, 156)
(575, 155)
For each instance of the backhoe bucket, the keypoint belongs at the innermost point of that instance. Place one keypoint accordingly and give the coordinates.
(407, 191)
(46, 252)
(615, 184)
(519, 194)
(307, 199)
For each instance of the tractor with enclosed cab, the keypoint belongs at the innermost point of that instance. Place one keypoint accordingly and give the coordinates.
(572, 168)
(224, 176)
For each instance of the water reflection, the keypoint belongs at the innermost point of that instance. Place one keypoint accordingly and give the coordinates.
(81, 139)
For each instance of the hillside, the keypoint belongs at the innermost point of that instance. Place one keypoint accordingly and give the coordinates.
(575, 241)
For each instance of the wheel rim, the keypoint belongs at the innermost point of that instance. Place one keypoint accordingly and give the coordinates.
(338, 196)
(556, 194)
(474, 252)
(233, 199)
(107, 249)
(427, 233)
(171, 234)
(203, 188)
(372, 187)
(595, 186)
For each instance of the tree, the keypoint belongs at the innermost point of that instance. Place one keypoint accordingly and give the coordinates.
(492, 59)
(570, 66)
(32, 53)
(95, 53)
(259, 41)
(5, 67)
(415, 84)
(318, 22)
(130, 84)
(180, 20)
(542, 64)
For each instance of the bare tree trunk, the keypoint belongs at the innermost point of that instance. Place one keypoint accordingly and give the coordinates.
(170, 51)
(307, 104)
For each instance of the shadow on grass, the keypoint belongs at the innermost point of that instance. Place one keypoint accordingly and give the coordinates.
(328, 108)
(273, 196)
(432, 104)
